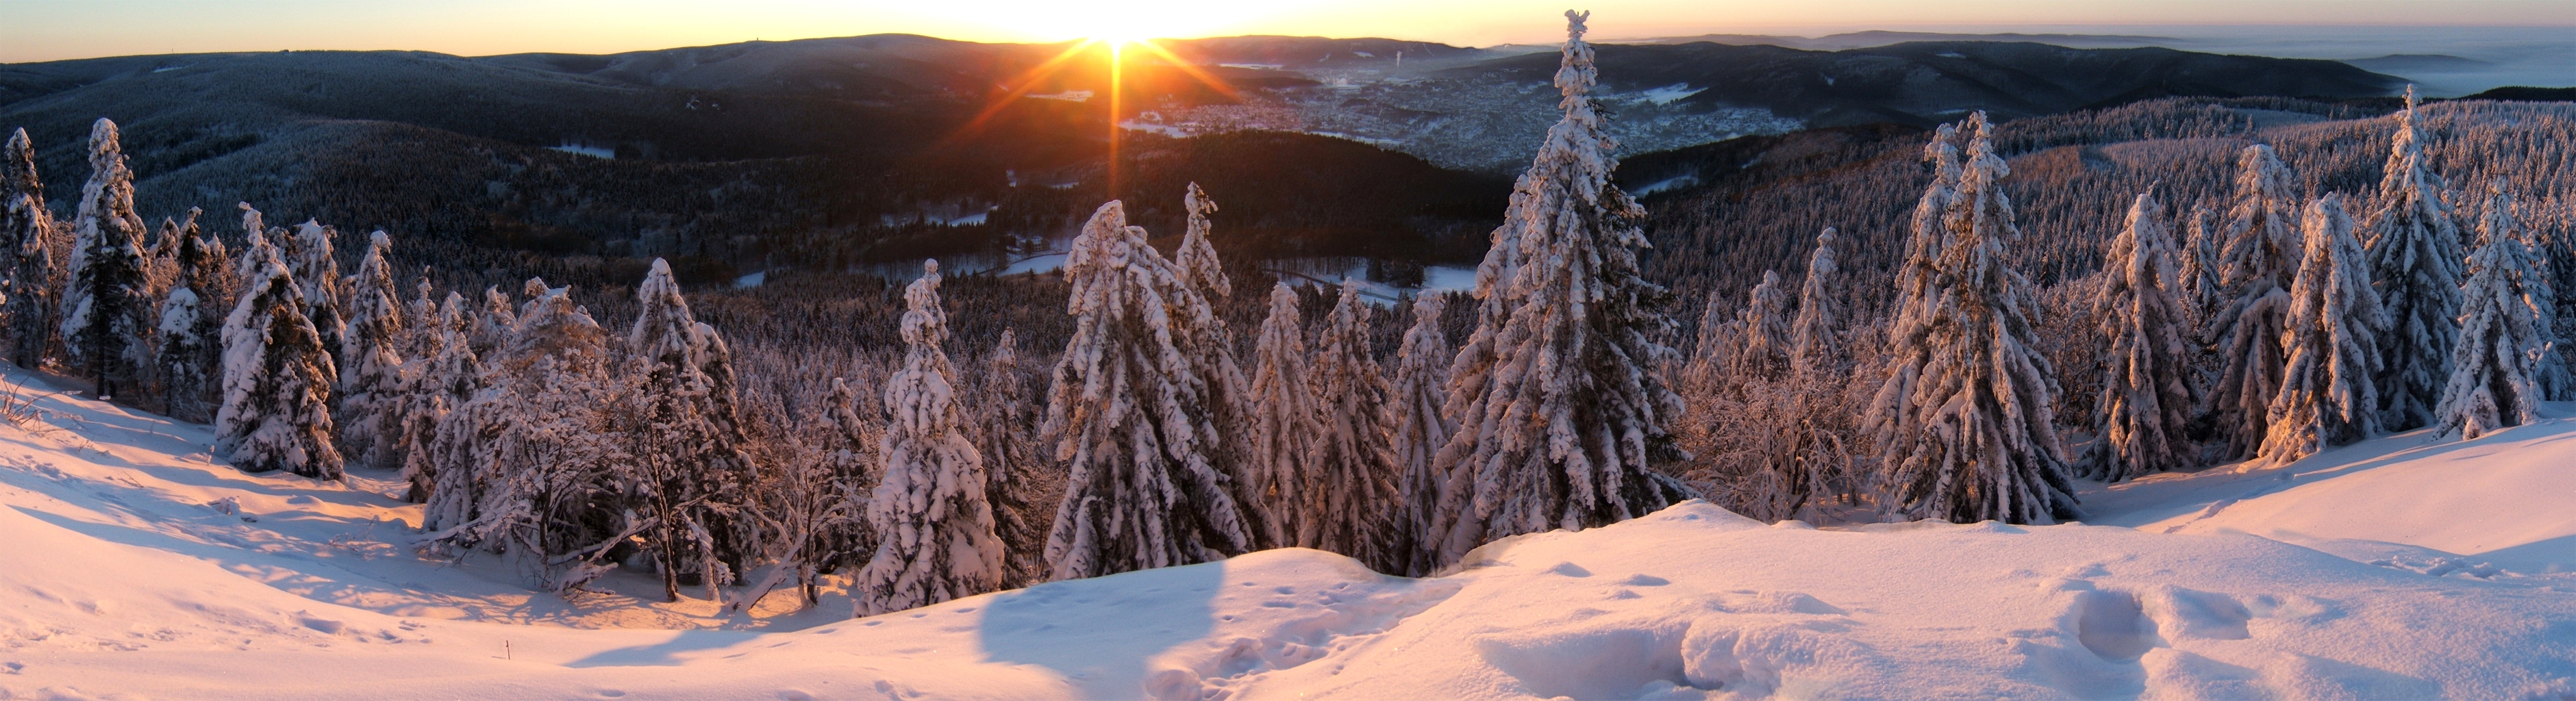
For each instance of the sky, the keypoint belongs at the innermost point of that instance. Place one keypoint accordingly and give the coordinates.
(44, 30)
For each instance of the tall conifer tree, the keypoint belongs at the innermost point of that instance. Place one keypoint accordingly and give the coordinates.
(935, 530)
(1558, 396)
(1964, 421)
(2332, 334)
(2415, 260)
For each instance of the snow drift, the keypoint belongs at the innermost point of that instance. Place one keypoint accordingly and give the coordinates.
(136, 568)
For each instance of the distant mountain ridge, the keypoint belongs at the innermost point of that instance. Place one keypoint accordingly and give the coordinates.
(858, 142)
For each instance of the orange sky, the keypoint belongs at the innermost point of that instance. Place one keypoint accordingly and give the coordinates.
(39, 30)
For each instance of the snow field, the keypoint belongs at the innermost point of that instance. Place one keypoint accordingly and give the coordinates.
(127, 576)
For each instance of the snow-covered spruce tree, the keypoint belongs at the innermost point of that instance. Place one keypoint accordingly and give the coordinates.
(536, 464)
(1964, 421)
(687, 438)
(1124, 415)
(1284, 428)
(1012, 475)
(1208, 346)
(936, 540)
(2332, 338)
(1557, 397)
(2201, 290)
(106, 315)
(2415, 259)
(1815, 337)
(492, 326)
(1763, 348)
(2505, 345)
(2257, 266)
(2146, 393)
(1415, 432)
(310, 255)
(29, 233)
(444, 380)
(192, 321)
(1712, 356)
(276, 413)
(371, 360)
(1354, 476)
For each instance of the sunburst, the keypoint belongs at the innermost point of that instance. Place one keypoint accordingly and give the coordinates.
(1117, 51)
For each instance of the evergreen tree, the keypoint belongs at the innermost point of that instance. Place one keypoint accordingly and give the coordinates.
(2415, 259)
(1354, 475)
(688, 437)
(1964, 420)
(448, 376)
(2334, 323)
(1763, 348)
(2258, 264)
(492, 326)
(28, 233)
(192, 350)
(2146, 393)
(371, 383)
(1285, 429)
(310, 255)
(936, 530)
(2202, 292)
(1415, 432)
(1208, 346)
(106, 313)
(1815, 336)
(1011, 468)
(2500, 368)
(1558, 402)
(277, 380)
(1124, 413)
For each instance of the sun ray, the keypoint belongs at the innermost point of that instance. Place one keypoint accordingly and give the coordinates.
(1020, 85)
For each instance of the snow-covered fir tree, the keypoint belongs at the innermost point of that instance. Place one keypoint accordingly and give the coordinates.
(444, 379)
(1354, 476)
(1284, 426)
(1964, 420)
(2415, 259)
(2146, 395)
(107, 315)
(1721, 335)
(1205, 342)
(192, 321)
(935, 529)
(371, 360)
(1815, 336)
(1012, 473)
(1416, 429)
(28, 232)
(276, 413)
(1763, 346)
(1124, 414)
(2257, 266)
(2200, 289)
(310, 253)
(2327, 396)
(492, 326)
(1558, 397)
(2499, 369)
(688, 437)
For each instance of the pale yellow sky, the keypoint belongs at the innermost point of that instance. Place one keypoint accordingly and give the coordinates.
(41, 30)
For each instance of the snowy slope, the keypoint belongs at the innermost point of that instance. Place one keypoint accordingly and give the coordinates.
(117, 577)
(2506, 500)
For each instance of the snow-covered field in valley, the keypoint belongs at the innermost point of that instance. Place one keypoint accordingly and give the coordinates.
(135, 568)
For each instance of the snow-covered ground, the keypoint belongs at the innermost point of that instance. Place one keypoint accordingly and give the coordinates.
(132, 567)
